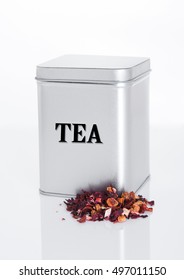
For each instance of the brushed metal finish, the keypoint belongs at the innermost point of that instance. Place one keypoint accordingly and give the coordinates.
(122, 115)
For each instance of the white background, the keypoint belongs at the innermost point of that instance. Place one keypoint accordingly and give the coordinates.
(32, 32)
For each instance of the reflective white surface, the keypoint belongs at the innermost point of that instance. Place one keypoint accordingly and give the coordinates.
(28, 231)
(68, 239)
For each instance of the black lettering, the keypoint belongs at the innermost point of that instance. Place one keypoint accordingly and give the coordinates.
(76, 270)
(78, 132)
(63, 130)
(94, 135)
(47, 272)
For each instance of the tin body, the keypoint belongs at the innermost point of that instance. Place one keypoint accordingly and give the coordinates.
(92, 132)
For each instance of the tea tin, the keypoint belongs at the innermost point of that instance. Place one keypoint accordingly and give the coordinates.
(93, 123)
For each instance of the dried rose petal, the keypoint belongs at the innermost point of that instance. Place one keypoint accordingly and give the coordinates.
(143, 216)
(112, 202)
(134, 215)
(132, 195)
(149, 209)
(86, 209)
(108, 205)
(129, 204)
(82, 220)
(145, 208)
(151, 203)
(98, 200)
(91, 198)
(115, 214)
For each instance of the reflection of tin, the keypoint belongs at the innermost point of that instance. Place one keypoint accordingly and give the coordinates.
(93, 123)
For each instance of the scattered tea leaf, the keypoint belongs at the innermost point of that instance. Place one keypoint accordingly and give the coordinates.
(108, 205)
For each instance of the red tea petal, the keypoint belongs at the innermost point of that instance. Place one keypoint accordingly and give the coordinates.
(82, 220)
(108, 205)
(98, 200)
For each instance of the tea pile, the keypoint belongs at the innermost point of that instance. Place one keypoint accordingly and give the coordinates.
(108, 205)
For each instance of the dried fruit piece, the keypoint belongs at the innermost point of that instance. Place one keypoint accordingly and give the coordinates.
(126, 212)
(139, 202)
(136, 208)
(125, 195)
(107, 213)
(108, 205)
(98, 207)
(111, 189)
(112, 202)
(121, 200)
(121, 218)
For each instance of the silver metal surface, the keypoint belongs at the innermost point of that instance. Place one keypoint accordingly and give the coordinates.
(73, 195)
(93, 68)
(56, 194)
(120, 112)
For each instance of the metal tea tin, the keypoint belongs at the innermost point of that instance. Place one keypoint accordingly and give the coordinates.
(93, 123)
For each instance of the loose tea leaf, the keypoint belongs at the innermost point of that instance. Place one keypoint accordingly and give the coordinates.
(108, 205)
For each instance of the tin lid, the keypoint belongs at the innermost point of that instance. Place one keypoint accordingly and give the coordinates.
(93, 68)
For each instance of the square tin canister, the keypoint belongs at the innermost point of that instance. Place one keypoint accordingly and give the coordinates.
(93, 123)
